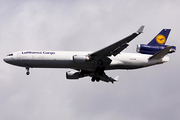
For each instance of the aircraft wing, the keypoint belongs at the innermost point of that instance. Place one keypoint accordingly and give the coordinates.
(115, 48)
(106, 78)
(101, 57)
(103, 77)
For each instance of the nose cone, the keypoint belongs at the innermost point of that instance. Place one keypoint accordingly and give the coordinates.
(8, 59)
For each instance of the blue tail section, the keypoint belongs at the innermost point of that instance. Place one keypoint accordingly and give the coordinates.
(156, 44)
(160, 38)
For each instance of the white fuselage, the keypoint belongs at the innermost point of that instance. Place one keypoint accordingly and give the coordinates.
(64, 59)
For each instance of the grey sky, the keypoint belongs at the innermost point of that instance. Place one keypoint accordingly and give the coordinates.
(144, 94)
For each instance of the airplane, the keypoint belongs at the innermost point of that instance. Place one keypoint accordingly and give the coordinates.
(94, 64)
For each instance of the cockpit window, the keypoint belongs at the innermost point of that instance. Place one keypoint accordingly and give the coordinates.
(10, 55)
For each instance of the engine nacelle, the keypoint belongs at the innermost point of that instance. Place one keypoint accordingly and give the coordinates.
(72, 75)
(147, 49)
(80, 58)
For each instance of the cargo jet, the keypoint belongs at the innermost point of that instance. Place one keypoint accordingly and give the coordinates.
(94, 64)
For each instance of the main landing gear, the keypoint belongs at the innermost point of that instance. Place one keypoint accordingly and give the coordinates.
(97, 79)
(98, 72)
(27, 73)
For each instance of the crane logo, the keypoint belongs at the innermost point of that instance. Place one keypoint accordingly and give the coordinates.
(161, 39)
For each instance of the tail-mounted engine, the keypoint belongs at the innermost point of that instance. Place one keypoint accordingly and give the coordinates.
(148, 49)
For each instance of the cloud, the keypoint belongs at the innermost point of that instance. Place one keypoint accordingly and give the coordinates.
(148, 93)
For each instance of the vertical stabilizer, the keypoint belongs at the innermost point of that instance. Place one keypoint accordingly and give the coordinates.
(161, 38)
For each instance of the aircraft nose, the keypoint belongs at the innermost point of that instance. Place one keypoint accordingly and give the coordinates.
(7, 59)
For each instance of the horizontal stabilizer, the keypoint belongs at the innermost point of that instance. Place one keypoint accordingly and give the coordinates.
(161, 53)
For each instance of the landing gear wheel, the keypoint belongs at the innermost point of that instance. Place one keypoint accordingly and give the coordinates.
(93, 79)
(27, 73)
(97, 79)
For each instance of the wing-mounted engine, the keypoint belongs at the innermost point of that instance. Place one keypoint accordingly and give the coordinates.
(81, 58)
(76, 74)
(72, 75)
(148, 49)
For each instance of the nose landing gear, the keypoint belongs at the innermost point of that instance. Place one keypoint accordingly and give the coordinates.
(27, 73)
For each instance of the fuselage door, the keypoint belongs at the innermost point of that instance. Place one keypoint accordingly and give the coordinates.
(19, 55)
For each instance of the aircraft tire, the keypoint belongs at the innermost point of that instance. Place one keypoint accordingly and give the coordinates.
(97, 79)
(93, 79)
(27, 73)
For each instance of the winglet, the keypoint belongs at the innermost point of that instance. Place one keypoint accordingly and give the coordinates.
(161, 53)
(140, 30)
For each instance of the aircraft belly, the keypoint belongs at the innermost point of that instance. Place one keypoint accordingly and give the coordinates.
(124, 67)
(55, 64)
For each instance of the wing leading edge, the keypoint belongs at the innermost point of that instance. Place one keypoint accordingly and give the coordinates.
(117, 47)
